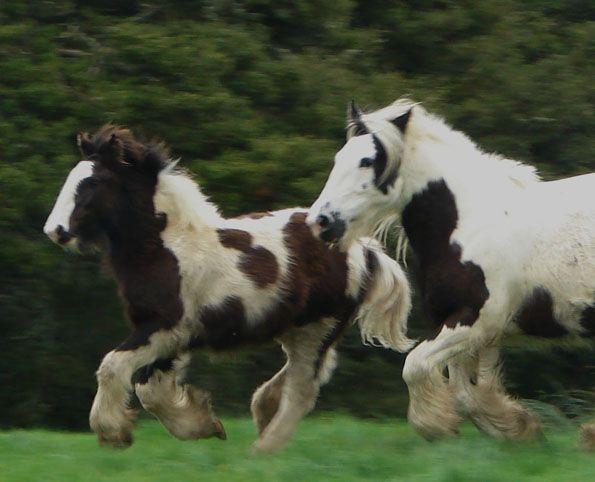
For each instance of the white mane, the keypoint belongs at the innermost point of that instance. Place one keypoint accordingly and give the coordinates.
(379, 124)
(181, 198)
(423, 125)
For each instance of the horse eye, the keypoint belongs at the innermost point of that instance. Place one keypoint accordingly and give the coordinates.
(366, 162)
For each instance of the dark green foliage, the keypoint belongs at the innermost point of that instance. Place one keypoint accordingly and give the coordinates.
(251, 94)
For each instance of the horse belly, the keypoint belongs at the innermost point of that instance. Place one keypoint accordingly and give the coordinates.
(536, 316)
(560, 286)
(560, 228)
(547, 316)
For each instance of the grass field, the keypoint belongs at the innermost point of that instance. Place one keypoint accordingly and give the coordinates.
(334, 447)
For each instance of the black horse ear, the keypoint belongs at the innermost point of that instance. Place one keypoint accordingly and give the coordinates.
(83, 141)
(402, 121)
(354, 118)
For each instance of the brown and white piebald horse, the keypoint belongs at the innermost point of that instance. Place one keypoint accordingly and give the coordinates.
(191, 279)
(500, 252)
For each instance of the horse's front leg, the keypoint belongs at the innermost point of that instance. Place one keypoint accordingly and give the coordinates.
(432, 403)
(182, 409)
(110, 417)
(483, 398)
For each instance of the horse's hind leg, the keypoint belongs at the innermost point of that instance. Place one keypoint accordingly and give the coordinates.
(182, 409)
(310, 362)
(482, 397)
(266, 399)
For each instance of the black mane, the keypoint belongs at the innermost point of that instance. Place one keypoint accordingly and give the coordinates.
(115, 144)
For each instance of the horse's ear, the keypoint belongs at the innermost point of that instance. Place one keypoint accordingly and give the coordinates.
(402, 121)
(83, 141)
(353, 112)
(354, 120)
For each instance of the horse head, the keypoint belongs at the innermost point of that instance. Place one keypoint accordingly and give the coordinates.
(109, 190)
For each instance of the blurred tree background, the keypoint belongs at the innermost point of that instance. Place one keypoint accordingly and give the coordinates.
(251, 94)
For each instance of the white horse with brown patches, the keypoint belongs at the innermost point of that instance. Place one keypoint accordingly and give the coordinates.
(500, 251)
(191, 279)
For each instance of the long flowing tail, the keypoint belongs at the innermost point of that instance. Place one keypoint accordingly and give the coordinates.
(383, 314)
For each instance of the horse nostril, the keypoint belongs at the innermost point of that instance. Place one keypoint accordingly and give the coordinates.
(62, 235)
(323, 221)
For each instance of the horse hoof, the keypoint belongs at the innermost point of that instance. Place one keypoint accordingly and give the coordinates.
(433, 433)
(117, 440)
(219, 430)
(261, 447)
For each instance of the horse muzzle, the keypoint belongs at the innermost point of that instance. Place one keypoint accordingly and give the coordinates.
(330, 228)
(58, 234)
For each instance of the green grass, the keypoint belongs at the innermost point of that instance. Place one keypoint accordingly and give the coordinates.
(324, 448)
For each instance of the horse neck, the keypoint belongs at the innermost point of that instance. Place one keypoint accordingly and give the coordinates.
(433, 151)
(452, 185)
(188, 212)
(173, 213)
(135, 239)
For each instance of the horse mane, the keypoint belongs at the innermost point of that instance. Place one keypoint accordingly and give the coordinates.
(152, 155)
(424, 125)
(379, 123)
(176, 190)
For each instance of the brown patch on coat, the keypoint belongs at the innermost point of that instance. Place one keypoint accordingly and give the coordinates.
(235, 239)
(454, 292)
(224, 324)
(314, 288)
(256, 262)
(227, 326)
(260, 265)
(465, 316)
(317, 275)
(536, 316)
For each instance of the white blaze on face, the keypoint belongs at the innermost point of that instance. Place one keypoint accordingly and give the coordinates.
(345, 190)
(60, 215)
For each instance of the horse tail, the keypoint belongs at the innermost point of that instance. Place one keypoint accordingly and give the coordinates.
(383, 313)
